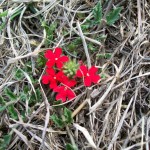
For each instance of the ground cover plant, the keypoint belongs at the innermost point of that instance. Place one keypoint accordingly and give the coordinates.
(75, 75)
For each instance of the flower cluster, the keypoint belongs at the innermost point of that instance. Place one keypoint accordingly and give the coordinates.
(62, 74)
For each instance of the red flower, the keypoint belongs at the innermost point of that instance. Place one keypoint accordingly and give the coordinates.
(89, 76)
(45, 79)
(55, 58)
(64, 93)
(52, 77)
(67, 82)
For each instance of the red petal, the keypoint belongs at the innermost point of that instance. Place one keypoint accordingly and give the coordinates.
(93, 70)
(63, 58)
(95, 78)
(60, 76)
(59, 64)
(79, 74)
(70, 94)
(58, 52)
(59, 89)
(53, 85)
(87, 81)
(71, 83)
(50, 63)
(45, 79)
(49, 54)
(68, 82)
(50, 71)
(61, 97)
(84, 70)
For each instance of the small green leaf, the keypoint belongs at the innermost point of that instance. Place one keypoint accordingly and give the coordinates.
(103, 76)
(7, 139)
(71, 147)
(113, 16)
(68, 116)
(97, 12)
(2, 108)
(3, 14)
(10, 94)
(12, 112)
(38, 95)
(2, 25)
(2, 101)
(84, 27)
(49, 31)
(4, 142)
(17, 13)
(58, 121)
(41, 60)
(91, 47)
(108, 55)
(23, 96)
(19, 74)
(57, 103)
(26, 89)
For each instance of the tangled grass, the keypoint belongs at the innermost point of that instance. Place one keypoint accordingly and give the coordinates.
(112, 115)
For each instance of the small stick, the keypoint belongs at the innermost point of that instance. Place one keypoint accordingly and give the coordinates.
(84, 45)
(89, 66)
(79, 108)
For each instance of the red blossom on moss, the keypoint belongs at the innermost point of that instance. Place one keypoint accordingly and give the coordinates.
(55, 58)
(89, 75)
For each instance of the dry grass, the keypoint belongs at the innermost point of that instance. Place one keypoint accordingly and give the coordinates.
(113, 115)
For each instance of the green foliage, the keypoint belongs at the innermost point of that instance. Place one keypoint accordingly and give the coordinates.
(103, 76)
(8, 105)
(68, 116)
(2, 101)
(26, 89)
(63, 120)
(73, 46)
(57, 103)
(23, 96)
(19, 74)
(32, 97)
(10, 94)
(102, 37)
(49, 31)
(91, 47)
(4, 14)
(97, 12)
(17, 13)
(4, 141)
(58, 121)
(71, 147)
(12, 112)
(2, 25)
(106, 55)
(113, 16)
(41, 60)
(86, 26)
(70, 68)
(2, 108)
(28, 68)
